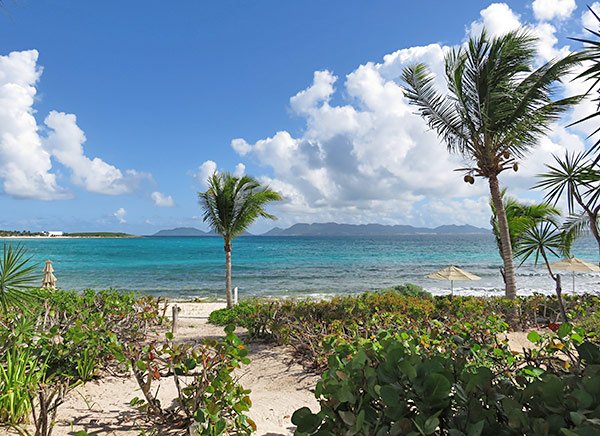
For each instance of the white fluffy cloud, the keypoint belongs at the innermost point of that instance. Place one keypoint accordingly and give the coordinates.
(546, 10)
(588, 19)
(497, 19)
(26, 168)
(240, 170)
(371, 158)
(205, 170)
(209, 167)
(162, 200)
(65, 142)
(120, 215)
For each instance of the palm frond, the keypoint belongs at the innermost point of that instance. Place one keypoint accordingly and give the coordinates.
(544, 237)
(17, 278)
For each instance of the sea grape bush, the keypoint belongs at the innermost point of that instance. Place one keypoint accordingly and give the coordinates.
(394, 384)
(210, 401)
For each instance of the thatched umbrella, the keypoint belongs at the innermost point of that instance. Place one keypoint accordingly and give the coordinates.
(452, 273)
(574, 264)
(49, 280)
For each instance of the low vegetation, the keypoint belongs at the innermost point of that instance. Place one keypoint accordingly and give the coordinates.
(400, 361)
(306, 325)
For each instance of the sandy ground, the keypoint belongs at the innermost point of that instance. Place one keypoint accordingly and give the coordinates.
(279, 387)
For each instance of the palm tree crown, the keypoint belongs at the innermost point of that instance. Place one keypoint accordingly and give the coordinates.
(495, 109)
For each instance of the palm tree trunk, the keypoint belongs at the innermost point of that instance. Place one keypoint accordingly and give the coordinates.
(228, 275)
(594, 229)
(557, 280)
(506, 247)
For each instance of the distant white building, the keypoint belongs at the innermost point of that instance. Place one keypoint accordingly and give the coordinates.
(55, 233)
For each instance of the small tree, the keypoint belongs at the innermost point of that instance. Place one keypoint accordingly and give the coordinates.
(520, 217)
(231, 204)
(576, 179)
(542, 240)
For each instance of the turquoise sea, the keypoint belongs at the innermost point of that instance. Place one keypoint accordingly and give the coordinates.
(287, 266)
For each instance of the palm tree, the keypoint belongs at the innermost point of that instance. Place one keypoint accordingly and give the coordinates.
(231, 204)
(541, 240)
(575, 178)
(520, 217)
(496, 109)
(17, 278)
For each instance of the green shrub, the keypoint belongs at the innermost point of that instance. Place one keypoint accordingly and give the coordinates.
(237, 315)
(394, 385)
(60, 340)
(411, 290)
(210, 400)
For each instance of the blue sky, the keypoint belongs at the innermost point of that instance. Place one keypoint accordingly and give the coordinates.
(160, 90)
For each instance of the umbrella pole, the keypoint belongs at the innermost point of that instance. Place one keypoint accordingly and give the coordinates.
(452, 288)
(573, 282)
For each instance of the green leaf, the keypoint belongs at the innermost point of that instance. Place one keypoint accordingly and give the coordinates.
(476, 429)
(199, 416)
(390, 394)
(305, 420)
(589, 352)
(360, 419)
(534, 337)
(348, 417)
(437, 387)
(190, 364)
(564, 330)
(431, 424)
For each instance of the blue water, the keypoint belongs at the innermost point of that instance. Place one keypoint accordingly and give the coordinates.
(194, 267)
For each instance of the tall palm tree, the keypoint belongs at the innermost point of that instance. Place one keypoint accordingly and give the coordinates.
(495, 110)
(230, 205)
(575, 178)
(542, 240)
(520, 217)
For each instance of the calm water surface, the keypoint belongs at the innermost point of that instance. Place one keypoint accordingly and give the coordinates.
(184, 267)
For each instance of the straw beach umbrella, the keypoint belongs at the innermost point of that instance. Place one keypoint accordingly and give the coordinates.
(575, 265)
(49, 280)
(452, 273)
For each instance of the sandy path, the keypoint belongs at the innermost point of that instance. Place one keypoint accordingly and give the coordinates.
(279, 387)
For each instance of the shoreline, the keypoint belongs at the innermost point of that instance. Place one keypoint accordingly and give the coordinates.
(72, 237)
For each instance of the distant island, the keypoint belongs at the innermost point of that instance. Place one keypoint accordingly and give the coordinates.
(335, 229)
(187, 232)
(182, 231)
(99, 235)
(59, 234)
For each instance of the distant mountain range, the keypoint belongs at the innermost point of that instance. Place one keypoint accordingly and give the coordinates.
(183, 231)
(335, 229)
